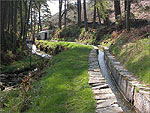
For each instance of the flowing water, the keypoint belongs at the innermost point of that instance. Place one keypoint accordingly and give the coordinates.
(124, 104)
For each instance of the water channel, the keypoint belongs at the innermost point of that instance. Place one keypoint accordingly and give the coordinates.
(124, 104)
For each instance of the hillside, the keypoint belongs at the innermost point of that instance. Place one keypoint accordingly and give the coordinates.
(140, 10)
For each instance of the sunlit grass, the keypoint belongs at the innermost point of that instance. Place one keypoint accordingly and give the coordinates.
(135, 57)
(65, 86)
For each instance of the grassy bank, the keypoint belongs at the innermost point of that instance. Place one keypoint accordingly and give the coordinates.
(64, 87)
(132, 50)
(134, 56)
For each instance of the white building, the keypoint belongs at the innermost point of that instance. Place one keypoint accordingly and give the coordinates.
(44, 35)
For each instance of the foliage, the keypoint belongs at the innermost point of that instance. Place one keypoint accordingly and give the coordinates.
(102, 6)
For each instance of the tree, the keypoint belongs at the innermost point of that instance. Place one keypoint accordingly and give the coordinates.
(60, 11)
(125, 5)
(94, 16)
(21, 33)
(117, 8)
(65, 12)
(128, 15)
(85, 16)
(79, 11)
(98, 16)
(15, 26)
(46, 15)
(40, 25)
(102, 10)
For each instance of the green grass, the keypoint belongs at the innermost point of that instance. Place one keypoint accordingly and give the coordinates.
(21, 64)
(64, 88)
(134, 56)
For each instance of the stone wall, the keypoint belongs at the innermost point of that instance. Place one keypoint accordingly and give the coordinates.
(136, 93)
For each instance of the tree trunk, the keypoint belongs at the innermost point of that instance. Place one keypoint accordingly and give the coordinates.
(3, 13)
(117, 8)
(26, 20)
(128, 15)
(9, 16)
(40, 25)
(79, 11)
(34, 26)
(31, 21)
(65, 6)
(85, 16)
(6, 15)
(98, 16)
(125, 5)
(12, 18)
(15, 27)
(21, 19)
(60, 10)
(94, 16)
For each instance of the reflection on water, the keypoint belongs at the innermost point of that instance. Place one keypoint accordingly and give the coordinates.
(127, 108)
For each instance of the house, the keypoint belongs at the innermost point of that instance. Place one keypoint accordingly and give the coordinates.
(44, 35)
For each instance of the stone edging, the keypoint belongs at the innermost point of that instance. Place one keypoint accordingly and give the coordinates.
(106, 101)
(137, 94)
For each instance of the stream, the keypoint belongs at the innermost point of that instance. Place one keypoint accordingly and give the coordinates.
(11, 80)
(124, 104)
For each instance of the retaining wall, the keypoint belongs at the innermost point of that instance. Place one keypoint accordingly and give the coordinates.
(136, 93)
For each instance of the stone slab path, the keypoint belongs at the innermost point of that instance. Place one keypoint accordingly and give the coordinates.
(106, 101)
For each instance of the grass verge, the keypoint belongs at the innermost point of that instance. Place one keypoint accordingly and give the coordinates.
(134, 56)
(63, 89)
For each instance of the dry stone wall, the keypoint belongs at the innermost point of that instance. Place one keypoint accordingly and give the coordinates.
(136, 93)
